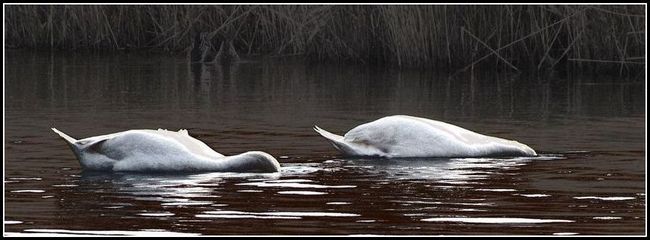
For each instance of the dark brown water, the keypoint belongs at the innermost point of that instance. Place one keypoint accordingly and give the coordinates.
(589, 178)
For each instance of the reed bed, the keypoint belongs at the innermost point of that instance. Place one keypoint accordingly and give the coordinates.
(513, 37)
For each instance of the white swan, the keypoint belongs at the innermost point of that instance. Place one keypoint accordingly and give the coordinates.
(407, 136)
(161, 151)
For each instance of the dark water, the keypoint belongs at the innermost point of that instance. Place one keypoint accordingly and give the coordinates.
(589, 178)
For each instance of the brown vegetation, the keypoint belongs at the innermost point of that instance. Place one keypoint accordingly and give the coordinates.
(514, 37)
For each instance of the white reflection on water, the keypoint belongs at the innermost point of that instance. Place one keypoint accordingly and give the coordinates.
(493, 220)
(156, 214)
(495, 190)
(186, 202)
(292, 184)
(533, 195)
(243, 216)
(417, 202)
(607, 218)
(366, 221)
(250, 191)
(297, 169)
(170, 189)
(65, 185)
(293, 215)
(444, 170)
(337, 203)
(606, 198)
(25, 178)
(75, 233)
(302, 192)
(28, 191)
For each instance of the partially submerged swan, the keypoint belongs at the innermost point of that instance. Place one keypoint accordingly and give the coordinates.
(407, 136)
(161, 151)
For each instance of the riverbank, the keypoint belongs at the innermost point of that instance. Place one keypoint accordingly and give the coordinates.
(520, 38)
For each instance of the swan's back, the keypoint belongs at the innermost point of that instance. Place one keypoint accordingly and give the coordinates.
(138, 142)
(192, 144)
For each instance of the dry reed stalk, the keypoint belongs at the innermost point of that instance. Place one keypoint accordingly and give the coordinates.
(489, 48)
(405, 36)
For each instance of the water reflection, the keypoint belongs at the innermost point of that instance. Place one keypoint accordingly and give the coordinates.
(442, 170)
(283, 215)
(76, 233)
(166, 187)
(90, 78)
(498, 220)
(210, 78)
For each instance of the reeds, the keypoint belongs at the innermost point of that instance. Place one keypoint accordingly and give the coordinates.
(514, 37)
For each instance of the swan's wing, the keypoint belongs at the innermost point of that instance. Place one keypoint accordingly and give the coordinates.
(405, 136)
(461, 134)
(382, 137)
(483, 143)
(192, 144)
(134, 143)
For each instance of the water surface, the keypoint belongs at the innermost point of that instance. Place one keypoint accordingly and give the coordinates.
(589, 131)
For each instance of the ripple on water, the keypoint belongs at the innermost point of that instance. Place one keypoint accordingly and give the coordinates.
(292, 185)
(302, 192)
(64, 232)
(114, 207)
(366, 221)
(606, 198)
(499, 220)
(25, 178)
(186, 203)
(533, 195)
(156, 214)
(294, 180)
(337, 203)
(607, 218)
(468, 209)
(250, 191)
(495, 190)
(294, 169)
(65, 185)
(28, 191)
(272, 215)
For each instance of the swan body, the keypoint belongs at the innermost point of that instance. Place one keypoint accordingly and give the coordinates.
(406, 136)
(161, 151)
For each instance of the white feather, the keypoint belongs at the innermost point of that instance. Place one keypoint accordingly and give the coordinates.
(407, 136)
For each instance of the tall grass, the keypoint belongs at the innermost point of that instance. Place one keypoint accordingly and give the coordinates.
(514, 37)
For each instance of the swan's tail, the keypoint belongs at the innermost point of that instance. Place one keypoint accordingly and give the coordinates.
(76, 148)
(328, 135)
(336, 140)
(67, 138)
